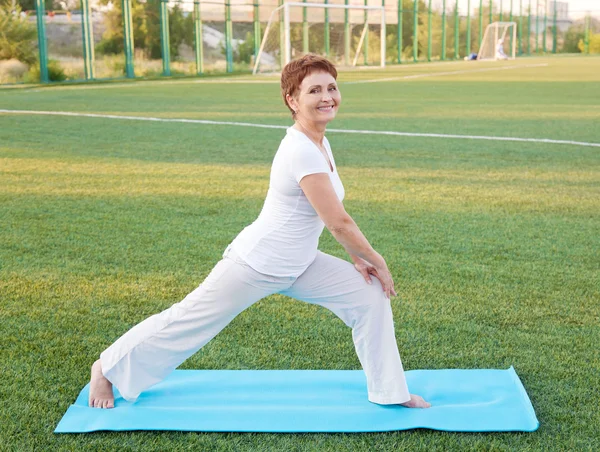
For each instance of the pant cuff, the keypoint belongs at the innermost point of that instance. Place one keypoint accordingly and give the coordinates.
(110, 378)
(389, 398)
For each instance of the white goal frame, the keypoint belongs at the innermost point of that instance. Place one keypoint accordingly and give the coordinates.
(286, 29)
(495, 28)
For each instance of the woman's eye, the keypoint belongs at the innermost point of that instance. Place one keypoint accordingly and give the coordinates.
(333, 88)
(313, 91)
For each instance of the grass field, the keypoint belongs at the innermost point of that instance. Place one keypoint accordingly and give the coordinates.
(494, 245)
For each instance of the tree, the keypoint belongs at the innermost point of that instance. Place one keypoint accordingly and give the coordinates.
(29, 5)
(244, 52)
(594, 46)
(146, 29)
(17, 35)
(574, 34)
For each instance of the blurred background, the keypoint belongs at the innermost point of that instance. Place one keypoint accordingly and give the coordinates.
(58, 40)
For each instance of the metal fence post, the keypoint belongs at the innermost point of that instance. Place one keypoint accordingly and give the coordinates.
(554, 30)
(40, 11)
(480, 24)
(456, 30)
(500, 13)
(545, 25)
(537, 26)
(529, 29)
(400, 15)
(304, 29)
(429, 18)
(228, 33)
(520, 27)
(416, 32)
(384, 44)
(198, 41)
(257, 37)
(128, 38)
(510, 19)
(165, 40)
(468, 47)
(346, 35)
(326, 31)
(88, 40)
(586, 42)
(443, 30)
(366, 40)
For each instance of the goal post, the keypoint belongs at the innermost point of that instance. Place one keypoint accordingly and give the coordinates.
(499, 42)
(338, 32)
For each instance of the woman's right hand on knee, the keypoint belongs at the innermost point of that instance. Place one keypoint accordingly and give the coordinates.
(382, 273)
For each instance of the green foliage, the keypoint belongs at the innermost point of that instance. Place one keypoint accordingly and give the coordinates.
(181, 30)
(56, 73)
(574, 34)
(146, 29)
(594, 45)
(115, 63)
(29, 5)
(112, 39)
(316, 42)
(244, 52)
(18, 36)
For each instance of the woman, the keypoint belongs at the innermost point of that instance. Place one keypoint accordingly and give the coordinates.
(278, 254)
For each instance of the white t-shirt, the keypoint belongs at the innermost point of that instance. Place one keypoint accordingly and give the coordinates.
(283, 240)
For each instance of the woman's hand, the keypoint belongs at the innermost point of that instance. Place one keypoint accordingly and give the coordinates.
(381, 272)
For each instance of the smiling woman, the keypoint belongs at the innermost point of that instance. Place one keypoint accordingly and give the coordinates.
(278, 253)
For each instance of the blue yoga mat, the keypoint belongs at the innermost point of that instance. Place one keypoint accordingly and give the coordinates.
(311, 401)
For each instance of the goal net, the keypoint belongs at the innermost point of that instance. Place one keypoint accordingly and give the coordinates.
(499, 41)
(348, 35)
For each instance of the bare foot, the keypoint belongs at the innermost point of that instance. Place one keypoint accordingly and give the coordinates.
(416, 402)
(101, 393)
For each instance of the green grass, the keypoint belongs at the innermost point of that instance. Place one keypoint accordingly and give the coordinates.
(493, 245)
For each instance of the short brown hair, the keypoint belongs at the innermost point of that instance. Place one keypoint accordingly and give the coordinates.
(295, 71)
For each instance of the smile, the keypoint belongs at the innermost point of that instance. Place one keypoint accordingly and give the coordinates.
(327, 108)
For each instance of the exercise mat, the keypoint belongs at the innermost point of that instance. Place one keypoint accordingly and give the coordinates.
(478, 400)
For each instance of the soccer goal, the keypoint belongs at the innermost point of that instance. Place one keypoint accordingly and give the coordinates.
(348, 35)
(499, 42)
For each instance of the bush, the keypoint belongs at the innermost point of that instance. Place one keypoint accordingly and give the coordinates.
(574, 34)
(18, 36)
(245, 50)
(594, 44)
(12, 71)
(55, 73)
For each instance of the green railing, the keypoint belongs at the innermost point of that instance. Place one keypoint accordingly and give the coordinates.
(413, 20)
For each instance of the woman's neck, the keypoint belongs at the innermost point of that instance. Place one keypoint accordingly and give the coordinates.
(314, 131)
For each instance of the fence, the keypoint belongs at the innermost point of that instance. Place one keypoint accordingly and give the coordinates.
(104, 39)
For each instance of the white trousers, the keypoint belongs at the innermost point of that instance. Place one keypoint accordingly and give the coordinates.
(151, 350)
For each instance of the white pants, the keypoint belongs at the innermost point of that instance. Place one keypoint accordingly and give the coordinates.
(151, 350)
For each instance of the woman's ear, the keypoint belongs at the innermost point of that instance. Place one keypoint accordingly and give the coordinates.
(292, 102)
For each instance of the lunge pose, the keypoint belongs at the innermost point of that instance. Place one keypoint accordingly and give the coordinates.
(278, 254)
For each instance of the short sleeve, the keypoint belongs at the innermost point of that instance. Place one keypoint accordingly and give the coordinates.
(305, 160)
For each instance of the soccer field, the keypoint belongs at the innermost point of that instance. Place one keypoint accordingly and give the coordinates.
(493, 243)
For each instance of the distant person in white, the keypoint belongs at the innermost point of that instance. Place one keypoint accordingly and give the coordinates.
(278, 254)
(500, 55)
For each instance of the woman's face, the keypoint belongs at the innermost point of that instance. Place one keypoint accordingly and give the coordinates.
(318, 98)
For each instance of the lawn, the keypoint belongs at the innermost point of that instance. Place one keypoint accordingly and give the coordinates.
(494, 245)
